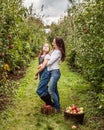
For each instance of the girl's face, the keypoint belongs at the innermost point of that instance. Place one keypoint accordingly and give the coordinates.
(46, 48)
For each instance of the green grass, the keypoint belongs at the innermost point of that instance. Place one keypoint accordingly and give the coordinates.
(25, 113)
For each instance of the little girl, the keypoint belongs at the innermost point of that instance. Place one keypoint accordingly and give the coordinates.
(44, 53)
(42, 90)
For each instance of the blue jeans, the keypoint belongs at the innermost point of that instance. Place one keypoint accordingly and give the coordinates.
(42, 89)
(52, 89)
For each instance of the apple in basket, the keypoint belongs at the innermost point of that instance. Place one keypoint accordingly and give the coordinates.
(74, 109)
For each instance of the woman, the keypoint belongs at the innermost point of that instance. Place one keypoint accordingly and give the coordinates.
(53, 65)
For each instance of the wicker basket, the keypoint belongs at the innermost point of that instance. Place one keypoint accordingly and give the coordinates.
(78, 118)
(46, 109)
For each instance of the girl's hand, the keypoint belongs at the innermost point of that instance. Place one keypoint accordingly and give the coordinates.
(36, 76)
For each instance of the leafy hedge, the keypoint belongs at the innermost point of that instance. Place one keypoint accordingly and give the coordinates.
(21, 36)
(83, 32)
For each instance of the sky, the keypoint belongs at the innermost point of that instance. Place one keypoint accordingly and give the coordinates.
(53, 10)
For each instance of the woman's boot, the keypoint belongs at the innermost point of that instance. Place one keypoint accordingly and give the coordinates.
(47, 100)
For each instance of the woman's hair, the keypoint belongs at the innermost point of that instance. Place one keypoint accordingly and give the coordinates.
(60, 43)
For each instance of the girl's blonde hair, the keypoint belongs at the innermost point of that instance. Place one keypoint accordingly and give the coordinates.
(41, 50)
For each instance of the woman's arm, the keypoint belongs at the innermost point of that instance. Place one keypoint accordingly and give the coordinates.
(54, 58)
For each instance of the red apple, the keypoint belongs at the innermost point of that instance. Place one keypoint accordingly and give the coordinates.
(85, 30)
(74, 112)
(11, 46)
(9, 37)
(3, 54)
(74, 107)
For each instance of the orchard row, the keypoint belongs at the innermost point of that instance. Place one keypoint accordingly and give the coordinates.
(83, 32)
(20, 36)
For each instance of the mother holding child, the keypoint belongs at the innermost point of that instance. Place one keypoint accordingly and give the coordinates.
(49, 71)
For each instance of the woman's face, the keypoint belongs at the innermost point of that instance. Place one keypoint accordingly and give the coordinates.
(46, 48)
(54, 44)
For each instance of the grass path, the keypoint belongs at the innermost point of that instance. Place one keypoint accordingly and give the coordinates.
(25, 114)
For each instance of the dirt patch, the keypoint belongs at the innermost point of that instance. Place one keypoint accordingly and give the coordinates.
(4, 100)
(17, 74)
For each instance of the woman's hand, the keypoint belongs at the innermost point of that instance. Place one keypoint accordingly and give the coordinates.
(39, 66)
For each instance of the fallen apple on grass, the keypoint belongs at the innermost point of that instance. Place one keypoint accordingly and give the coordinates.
(74, 127)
